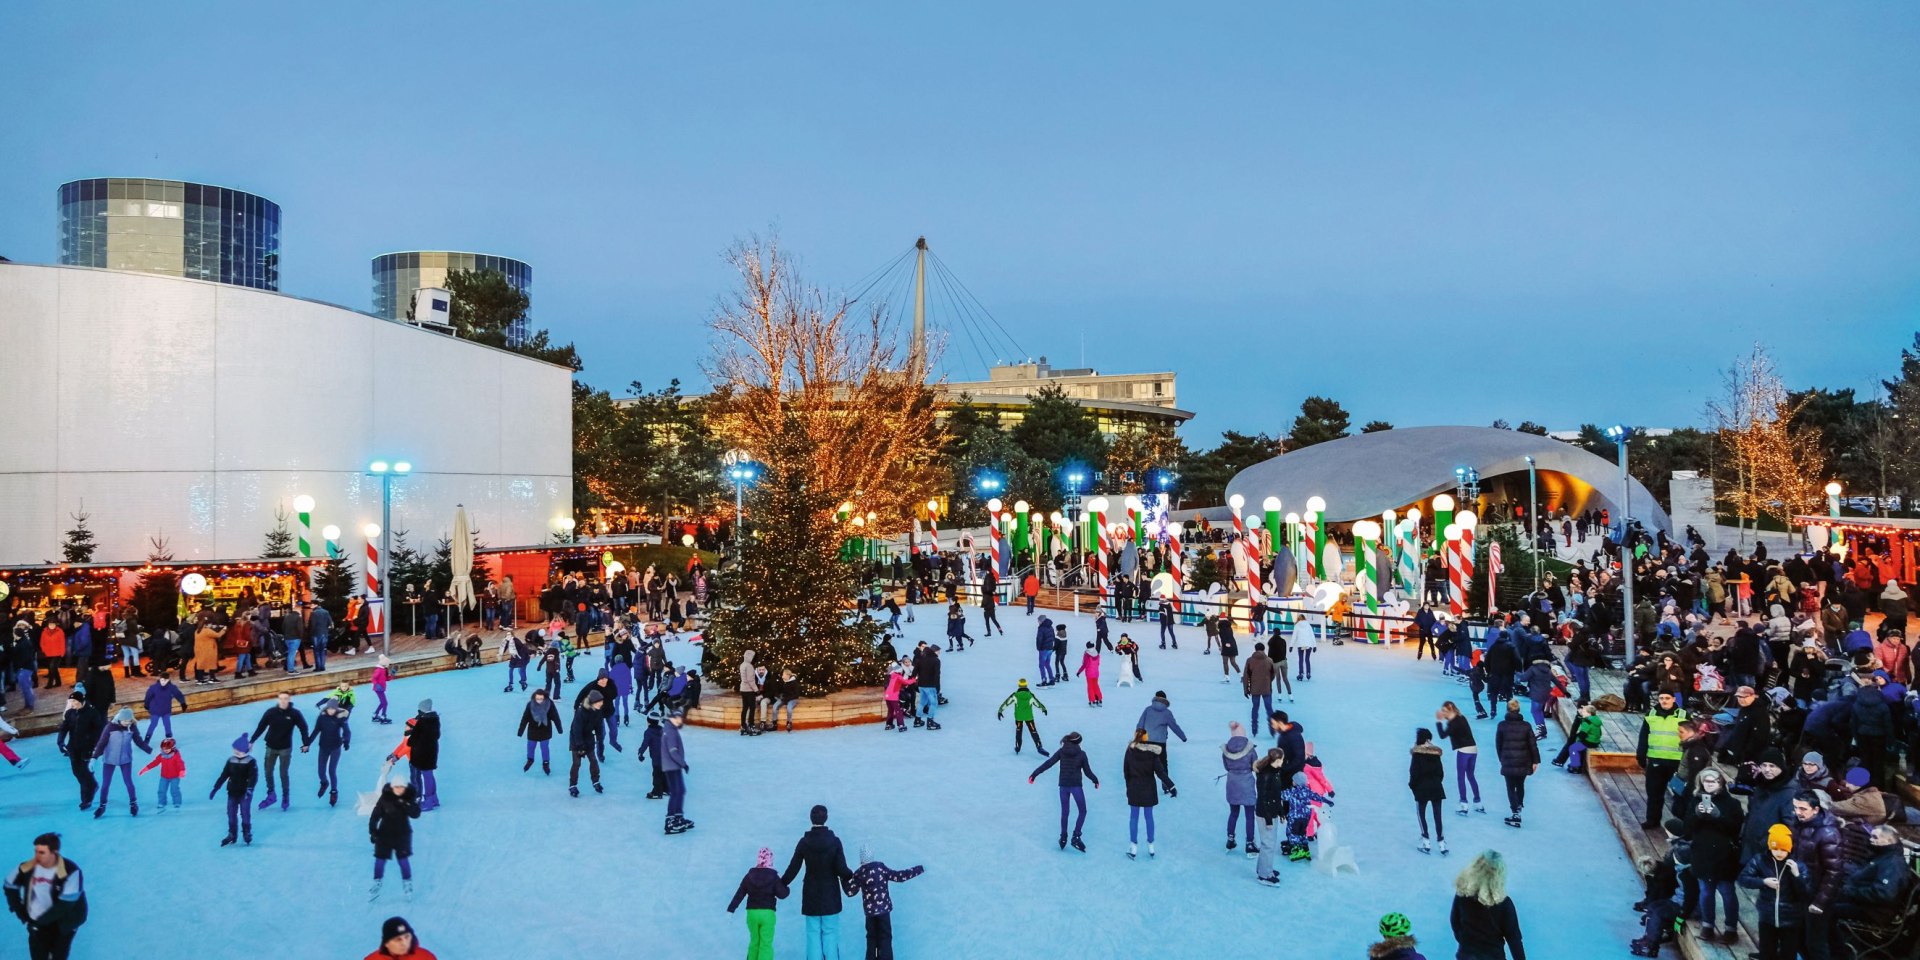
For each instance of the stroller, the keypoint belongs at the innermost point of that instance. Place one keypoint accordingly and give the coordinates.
(1711, 689)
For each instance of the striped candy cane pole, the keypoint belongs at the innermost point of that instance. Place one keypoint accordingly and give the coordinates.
(1456, 587)
(1174, 564)
(1100, 551)
(303, 511)
(993, 529)
(375, 603)
(1466, 521)
(1366, 535)
(1410, 556)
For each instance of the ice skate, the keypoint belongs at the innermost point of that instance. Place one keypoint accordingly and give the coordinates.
(1149, 848)
(406, 889)
(373, 892)
(1479, 808)
(268, 802)
(323, 789)
(246, 836)
(546, 768)
(333, 798)
(1463, 809)
(932, 725)
(529, 765)
(573, 791)
(1443, 848)
(1077, 845)
(99, 811)
(1252, 851)
(1272, 880)
(597, 788)
(227, 841)
(1231, 845)
(1426, 845)
(1512, 821)
(133, 809)
(1133, 849)
(1063, 841)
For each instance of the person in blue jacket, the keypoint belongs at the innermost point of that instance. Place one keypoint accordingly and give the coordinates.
(114, 750)
(161, 695)
(331, 732)
(1043, 643)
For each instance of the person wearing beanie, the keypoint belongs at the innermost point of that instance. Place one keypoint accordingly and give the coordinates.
(172, 769)
(382, 675)
(80, 728)
(1780, 880)
(1074, 767)
(1090, 668)
(240, 774)
(870, 882)
(1023, 702)
(539, 721)
(673, 763)
(114, 750)
(331, 732)
(1396, 940)
(823, 857)
(1157, 719)
(423, 756)
(390, 827)
(762, 889)
(602, 692)
(1769, 804)
(1300, 800)
(650, 749)
(1237, 756)
(585, 740)
(398, 942)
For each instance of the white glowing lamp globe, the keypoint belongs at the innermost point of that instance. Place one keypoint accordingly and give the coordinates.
(1020, 506)
(1038, 519)
(303, 504)
(1270, 504)
(933, 506)
(994, 505)
(616, 568)
(193, 584)
(1452, 533)
(1293, 518)
(1133, 502)
(1414, 514)
(1097, 505)
(1057, 518)
(1176, 528)
(686, 539)
(1467, 522)
(1236, 501)
(1366, 529)
(1833, 489)
(330, 531)
(1253, 522)
(1316, 505)
(371, 530)
(1443, 502)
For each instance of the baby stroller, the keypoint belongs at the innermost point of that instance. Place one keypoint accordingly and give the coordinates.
(465, 654)
(1712, 695)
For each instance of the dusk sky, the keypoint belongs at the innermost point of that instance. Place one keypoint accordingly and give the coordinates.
(1435, 213)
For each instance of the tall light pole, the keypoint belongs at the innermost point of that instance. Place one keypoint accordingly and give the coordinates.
(1620, 435)
(387, 471)
(742, 471)
(1533, 520)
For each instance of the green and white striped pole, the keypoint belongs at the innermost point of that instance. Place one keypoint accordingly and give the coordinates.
(1366, 573)
(303, 510)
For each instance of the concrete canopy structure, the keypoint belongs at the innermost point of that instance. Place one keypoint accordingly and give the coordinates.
(199, 411)
(1363, 475)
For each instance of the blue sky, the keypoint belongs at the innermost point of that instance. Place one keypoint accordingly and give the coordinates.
(1432, 212)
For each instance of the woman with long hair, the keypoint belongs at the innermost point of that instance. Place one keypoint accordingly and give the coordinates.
(1484, 922)
(1145, 762)
(1453, 727)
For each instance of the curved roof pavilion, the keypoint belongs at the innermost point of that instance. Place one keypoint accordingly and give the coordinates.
(1366, 474)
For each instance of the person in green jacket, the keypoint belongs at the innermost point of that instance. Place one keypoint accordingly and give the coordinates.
(1023, 702)
(1587, 732)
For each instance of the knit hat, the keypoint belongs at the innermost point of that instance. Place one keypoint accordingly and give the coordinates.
(818, 815)
(1234, 729)
(383, 661)
(394, 927)
(125, 715)
(594, 698)
(166, 743)
(1299, 779)
(1814, 758)
(1858, 777)
(426, 706)
(866, 854)
(1779, 837)
(1774, 756)
(1395, 925)
(243, 744)
(764, 858)
(1023, 682)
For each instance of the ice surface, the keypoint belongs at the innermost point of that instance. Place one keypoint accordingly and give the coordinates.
(511, 866)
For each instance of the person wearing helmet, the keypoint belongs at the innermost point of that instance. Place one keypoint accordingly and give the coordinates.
(1396, 940)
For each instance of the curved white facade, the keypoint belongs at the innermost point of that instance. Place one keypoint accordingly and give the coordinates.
(194, 410)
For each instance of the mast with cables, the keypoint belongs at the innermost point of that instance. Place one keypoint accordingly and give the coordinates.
(917, 353)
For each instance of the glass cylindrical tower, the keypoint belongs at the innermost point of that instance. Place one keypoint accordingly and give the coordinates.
(397, 275)
(171, 227)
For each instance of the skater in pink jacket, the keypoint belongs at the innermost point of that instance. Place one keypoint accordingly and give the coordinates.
(1090, 668)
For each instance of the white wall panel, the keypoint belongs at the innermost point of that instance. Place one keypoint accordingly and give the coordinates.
(195, 410)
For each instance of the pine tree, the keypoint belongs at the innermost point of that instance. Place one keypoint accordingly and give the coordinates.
(157, 595)
(405, 566)
(790, 599)
(79, 545)
(333, 585)
(279, 539)
(1320, 420)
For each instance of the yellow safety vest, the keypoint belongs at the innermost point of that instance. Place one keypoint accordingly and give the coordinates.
(1663, 735)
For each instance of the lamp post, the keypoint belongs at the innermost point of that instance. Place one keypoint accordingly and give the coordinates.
(1620, 435)
(1833, 498)
(1074, 478)
(742, 471)
(386, 471)
(303, 511)
(1533, 520)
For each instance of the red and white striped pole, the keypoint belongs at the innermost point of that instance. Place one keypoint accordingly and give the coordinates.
(376, 603)
(1467, 522)
(1174, 564)
(1098, 507)
(933, 527)
(993, 511)
(1456, 584)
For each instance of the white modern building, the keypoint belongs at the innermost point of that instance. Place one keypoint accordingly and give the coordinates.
(197, 411)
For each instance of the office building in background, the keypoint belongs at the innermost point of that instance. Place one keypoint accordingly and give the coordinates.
(172, 228)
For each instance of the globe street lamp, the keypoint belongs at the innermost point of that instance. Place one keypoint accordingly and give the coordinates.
(1620, 435)
(386, 470)
(741, 470)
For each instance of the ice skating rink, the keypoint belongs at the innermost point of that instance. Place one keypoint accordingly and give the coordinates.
(511, 866)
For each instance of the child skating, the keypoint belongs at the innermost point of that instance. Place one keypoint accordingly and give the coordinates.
(1300, 799)
(762, 890)
(239, 774)
(870, 881)
(1090, 668)
(331, 733)
(1130, 671)
(1023, 702)
(383, 675)
(172, 768)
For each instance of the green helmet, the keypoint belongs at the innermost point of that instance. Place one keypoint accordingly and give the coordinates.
(1395, 925)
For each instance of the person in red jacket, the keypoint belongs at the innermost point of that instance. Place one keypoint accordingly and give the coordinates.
(173, 768)
(1030, 588)
(397, 940)
(53, 649)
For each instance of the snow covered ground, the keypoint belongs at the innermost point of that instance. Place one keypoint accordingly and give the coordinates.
(511, 866)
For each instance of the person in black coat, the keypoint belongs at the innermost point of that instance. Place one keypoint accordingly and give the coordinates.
(1752, 730)
(1519, 755)
(1145, 762)
(1711, 819)
(1427, 778)
(539, 721)
(1074, 766)
(585, 741)
(391, 830)
(423, 755)
(80, 729)
(825, 860)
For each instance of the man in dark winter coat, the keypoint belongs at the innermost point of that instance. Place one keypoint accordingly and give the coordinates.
(1752, 729)
(1043, 644)
(1875, 890)
(278, 723)
(825, 860)
(603, 713)
(1519, 755)
(1502, 661)
(423, 756)
(585, 740)
(1771, 802)
(1256, 682)
(80, 728)
(1816, 838)
(52, 915)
